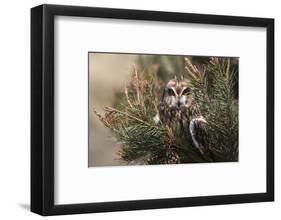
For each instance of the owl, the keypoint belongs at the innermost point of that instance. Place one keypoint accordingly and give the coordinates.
(178, 106)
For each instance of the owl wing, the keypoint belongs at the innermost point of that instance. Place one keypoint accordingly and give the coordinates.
(199, 134)
(165, 114)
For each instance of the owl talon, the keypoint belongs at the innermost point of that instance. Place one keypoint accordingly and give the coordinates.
(156, 119)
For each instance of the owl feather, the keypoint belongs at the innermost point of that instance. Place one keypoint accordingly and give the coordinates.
(178, 106)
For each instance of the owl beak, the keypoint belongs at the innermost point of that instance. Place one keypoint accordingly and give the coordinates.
(178, 104)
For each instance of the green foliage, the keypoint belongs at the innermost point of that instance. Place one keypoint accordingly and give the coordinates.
(167, 66)
(214, 89)
(214, 85)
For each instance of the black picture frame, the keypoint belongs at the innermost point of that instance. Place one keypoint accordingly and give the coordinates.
(42, 109)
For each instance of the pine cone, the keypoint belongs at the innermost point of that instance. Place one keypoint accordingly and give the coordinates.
(172, 157)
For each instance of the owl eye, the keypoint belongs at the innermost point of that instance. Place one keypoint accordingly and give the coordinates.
(171, 92)
(186, 91)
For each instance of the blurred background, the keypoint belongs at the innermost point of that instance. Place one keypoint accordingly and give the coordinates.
(108, 73)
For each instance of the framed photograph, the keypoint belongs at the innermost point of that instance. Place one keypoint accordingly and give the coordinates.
(139, 109)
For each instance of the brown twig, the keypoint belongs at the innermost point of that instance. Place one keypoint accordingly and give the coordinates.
(127, 97)
(137, 83)
(107, 124)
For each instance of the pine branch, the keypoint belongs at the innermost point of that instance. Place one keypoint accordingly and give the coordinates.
(144, 142)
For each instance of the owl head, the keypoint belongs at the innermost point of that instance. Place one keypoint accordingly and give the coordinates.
(177, 93)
